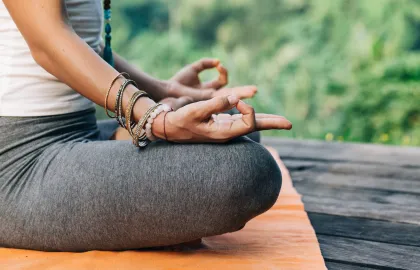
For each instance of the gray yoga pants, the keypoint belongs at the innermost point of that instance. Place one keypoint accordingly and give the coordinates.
(65, 187)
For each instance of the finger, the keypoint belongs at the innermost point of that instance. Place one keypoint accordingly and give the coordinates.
(225, 116)
(203, 94)
(273, 123)
(221, 81)
(245, 91)
(223, 75)
(248, 115)
(205, 63)
(264, 115)
(204, 109)
(241, 92)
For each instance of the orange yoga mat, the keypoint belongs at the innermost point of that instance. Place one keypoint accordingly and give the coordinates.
(281, 238)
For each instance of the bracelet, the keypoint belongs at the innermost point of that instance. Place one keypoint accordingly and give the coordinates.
(117, 100)
(122, 74)
(118, 104)
(140, 140)
(158, 110)
(129, 111)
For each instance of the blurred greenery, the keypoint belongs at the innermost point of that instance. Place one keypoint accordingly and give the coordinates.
(338, 69)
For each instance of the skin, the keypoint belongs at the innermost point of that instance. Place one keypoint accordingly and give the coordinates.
(73, 62)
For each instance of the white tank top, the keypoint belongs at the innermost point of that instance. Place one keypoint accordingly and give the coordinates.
(26, 89)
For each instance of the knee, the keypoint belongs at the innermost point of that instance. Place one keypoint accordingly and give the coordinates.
(253, 184)
(259, 181)
(255, 136)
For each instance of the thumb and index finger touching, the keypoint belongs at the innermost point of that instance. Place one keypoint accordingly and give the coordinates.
(209, 63)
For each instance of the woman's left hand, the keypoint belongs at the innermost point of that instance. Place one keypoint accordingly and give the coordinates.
(187, 82)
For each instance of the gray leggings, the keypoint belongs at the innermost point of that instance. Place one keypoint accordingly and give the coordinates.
(64, 187)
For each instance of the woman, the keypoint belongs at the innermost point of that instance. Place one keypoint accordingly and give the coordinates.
(66, 187)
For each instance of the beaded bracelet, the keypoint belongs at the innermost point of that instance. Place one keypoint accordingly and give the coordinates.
(122, 74)
(141, 140)
(129, 111)
(148, 128)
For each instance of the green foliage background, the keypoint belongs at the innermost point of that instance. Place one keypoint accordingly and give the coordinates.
(338, 69)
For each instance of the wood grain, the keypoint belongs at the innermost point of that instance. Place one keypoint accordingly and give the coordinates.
(344, 266)
(370, 253)
(353, 168)
(345, 152)
(358, 181)
(363, 201)
(366, 229)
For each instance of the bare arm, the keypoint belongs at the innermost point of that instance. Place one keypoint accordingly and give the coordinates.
(59, 50)
(56, 48)
(157, 89)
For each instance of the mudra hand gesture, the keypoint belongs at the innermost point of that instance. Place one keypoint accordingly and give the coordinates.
(186, 83)
(198, 122)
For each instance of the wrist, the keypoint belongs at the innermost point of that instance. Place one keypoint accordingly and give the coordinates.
(163, 87)
(141, 107)
(158, 126)
(171, 88)
(158, 89)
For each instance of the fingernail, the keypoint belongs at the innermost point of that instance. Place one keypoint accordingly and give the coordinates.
(233, 99)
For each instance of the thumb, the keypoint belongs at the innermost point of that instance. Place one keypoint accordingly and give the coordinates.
(204, 109)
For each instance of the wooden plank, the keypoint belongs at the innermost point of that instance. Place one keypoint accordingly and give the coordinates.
(359, 202)
(380, 183)
(366, 153)
(369, 253)
(355, 194)
(343, 266)
(366, 229)
(374, 170)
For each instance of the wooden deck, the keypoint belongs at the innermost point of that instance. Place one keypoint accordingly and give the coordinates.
(363, 201)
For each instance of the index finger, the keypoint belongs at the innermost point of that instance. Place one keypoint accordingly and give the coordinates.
(205, 63)
(221, 81)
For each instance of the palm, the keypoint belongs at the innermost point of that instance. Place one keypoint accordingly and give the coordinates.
(202, 121)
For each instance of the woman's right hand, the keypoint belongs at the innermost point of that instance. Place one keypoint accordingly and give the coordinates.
(198, 122)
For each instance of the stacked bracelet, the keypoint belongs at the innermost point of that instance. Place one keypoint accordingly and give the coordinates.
(136, 96)
(142, 131)
(139, 137)
(119, 99)
(122, 74)
(148, 128)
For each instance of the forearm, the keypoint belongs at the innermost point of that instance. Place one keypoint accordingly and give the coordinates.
(156, 88)
(73, 62)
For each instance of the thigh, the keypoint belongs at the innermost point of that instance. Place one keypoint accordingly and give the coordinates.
(110, 195)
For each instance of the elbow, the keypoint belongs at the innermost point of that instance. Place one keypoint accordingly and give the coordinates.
(40, 56)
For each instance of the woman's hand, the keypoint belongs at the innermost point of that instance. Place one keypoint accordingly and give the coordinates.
(176, 103)
(197, 122)
(187, 82)
(189, 75)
